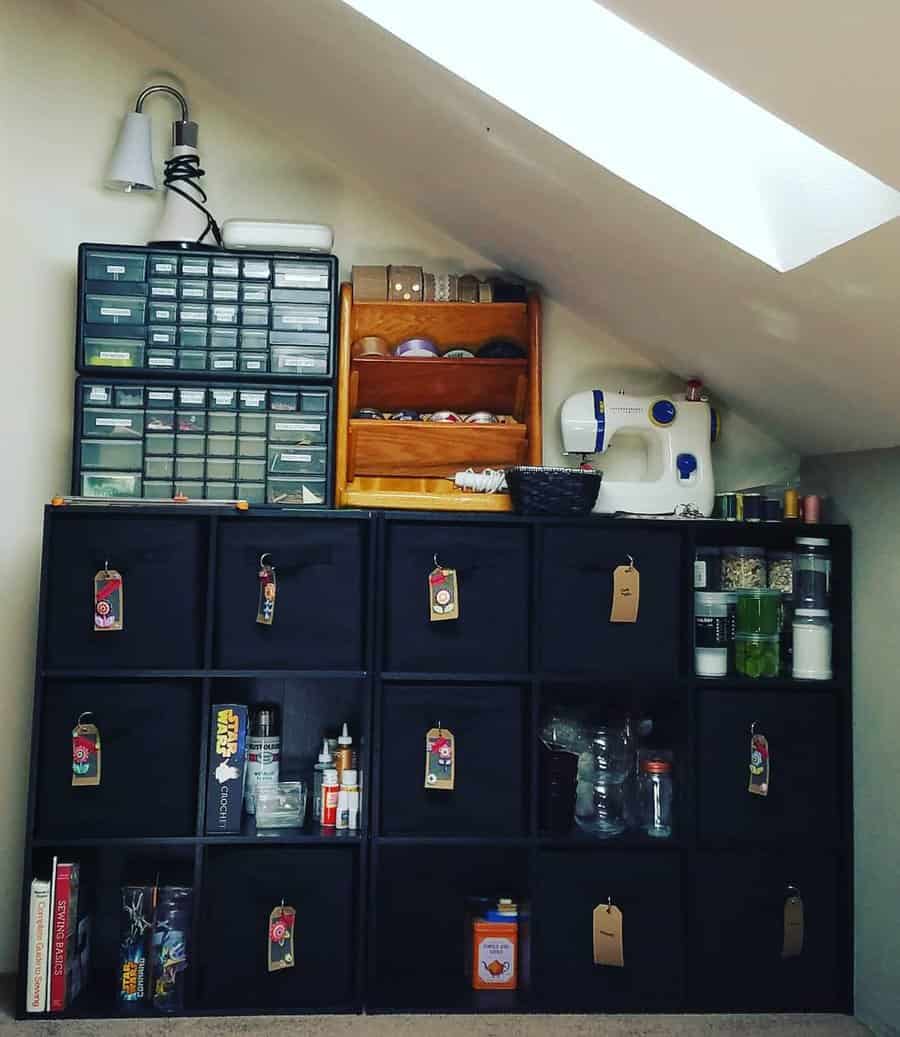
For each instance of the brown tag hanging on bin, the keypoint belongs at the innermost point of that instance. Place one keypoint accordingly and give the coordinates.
(759, 765)
(85, 753)
(109, 600)
(443, 594)
(608, 936)
(626, 597)
(265, 610)
(793, 926)
(440, 759)
(281, 938)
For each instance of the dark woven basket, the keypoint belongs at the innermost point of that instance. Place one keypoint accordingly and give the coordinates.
(552, 491)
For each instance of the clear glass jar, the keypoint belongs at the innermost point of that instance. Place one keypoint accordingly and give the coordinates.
(610, 750)
(756, 655)
(600, 807)
(656, 798)
(812, 644)
(743, 567)
(812, 572)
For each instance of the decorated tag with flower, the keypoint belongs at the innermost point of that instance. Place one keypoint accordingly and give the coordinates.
(759, 765)
(440, 759)
(85, 752)
(281, 938)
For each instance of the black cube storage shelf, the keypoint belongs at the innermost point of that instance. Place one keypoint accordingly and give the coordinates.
(702, 912)
(171, 312)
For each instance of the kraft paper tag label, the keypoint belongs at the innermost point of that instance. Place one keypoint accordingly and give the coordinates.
(443, 595)
(108, 601)
(626, 594)
(440, 759)
(85, 754)
(759, 765)
(608, 936)
(281, 938)
(265, 609)
(793, 927)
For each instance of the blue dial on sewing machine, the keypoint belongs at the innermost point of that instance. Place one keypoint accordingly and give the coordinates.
(663, 412)
(686, 464)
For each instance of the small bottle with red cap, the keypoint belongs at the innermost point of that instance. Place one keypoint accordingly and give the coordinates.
(656, 796)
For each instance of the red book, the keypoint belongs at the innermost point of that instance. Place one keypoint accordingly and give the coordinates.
(65, 916)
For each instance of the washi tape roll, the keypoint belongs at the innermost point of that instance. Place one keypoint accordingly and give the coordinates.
(445, 416)
(370, 345)
(446, 287)
(405, 283)
(405, 415)
(416, 347)
(369, 283)
(482, 417)
(369, 414)
(467, 288)
(459, 353)
(501, 348)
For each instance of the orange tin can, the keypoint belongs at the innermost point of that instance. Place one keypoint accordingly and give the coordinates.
(494, 955)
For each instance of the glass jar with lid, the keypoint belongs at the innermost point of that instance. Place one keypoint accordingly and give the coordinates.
(758, 612)
(656, 797)
(812, 644)
(812, 572)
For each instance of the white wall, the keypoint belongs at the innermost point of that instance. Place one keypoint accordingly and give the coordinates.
(68, 75)
(865, 489)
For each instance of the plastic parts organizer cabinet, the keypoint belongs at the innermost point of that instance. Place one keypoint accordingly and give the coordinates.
(266, 314)
(411, 464)
(380, 914)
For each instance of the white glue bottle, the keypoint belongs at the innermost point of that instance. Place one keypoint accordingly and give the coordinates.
(324, 764)
(348, 801)
(263, 753)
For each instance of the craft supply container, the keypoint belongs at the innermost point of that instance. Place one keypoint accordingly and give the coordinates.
(707, 568)
(656, 798)
(713, 633)
(756, 655)
(780, 571)
(812, 644)
(758, 612)
(812, 572)
(743, 568)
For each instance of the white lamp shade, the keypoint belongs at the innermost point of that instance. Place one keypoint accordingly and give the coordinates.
(132, 161)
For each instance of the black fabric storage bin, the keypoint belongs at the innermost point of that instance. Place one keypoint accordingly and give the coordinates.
(162, 560)
(807, 763)
(576, 597)
(422, 939)
(737, 932)
(241, 886)
(320, 600)
(490, 789)
(149, 745)
(646, 887)
(491, 634)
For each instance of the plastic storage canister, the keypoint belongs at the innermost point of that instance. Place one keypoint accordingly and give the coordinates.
(812, 644)
(757, 656)
(656, 798)
(707, 569)
(812, 572)
(743, 567)
(780, 571)
(758, 612)
(711, 634)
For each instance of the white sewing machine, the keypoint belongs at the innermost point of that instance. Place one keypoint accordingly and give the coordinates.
(676, 434)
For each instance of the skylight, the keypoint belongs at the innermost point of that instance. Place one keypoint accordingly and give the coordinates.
(652, 118)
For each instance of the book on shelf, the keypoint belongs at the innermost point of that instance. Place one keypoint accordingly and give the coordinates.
(38, 941)
(63, 932)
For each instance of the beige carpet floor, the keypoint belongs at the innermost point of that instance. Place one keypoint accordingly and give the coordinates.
(442, 1026)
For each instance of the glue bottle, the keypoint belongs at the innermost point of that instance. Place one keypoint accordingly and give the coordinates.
(325, 761)
(344, 757)
(348, 801)
(330, 794)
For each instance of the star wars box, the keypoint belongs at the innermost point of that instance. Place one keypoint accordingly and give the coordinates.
(225, 778)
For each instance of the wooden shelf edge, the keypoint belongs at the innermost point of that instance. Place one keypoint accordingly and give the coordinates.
(405, 499)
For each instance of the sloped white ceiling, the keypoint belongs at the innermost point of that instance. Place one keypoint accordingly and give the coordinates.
(809, 354)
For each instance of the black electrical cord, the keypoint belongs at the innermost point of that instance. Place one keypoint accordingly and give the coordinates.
(186, 169)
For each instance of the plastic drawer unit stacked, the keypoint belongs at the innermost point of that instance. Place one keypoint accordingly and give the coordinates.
(265, 445)
(239, 325)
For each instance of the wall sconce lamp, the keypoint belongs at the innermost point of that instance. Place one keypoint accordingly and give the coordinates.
(185, 220)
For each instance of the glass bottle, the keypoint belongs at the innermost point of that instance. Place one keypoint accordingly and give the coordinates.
(657, 797)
